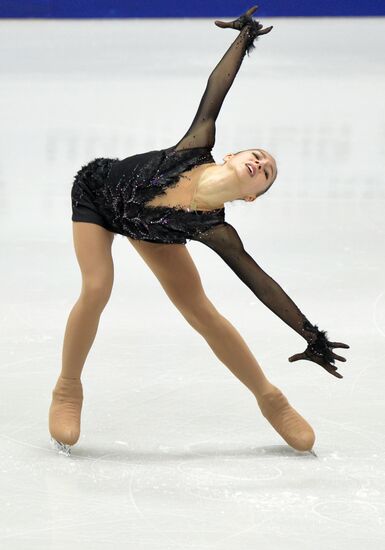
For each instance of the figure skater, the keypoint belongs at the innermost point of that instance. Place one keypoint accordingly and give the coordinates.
(158, 200)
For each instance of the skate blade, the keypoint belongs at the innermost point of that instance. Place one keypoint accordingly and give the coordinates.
(313, 453)
(62, 448)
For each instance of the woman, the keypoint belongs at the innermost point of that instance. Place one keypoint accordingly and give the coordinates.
(158, 200)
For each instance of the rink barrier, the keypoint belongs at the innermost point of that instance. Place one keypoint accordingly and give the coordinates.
(175, 8)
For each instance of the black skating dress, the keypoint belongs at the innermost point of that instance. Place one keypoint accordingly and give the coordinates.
(112, 193)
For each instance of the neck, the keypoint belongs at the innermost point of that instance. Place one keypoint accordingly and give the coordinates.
(215, 186)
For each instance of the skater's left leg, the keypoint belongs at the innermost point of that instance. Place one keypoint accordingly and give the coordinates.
(176, 271)
(179, 277)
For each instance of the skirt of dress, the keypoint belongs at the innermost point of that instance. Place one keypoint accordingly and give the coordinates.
(86, 183)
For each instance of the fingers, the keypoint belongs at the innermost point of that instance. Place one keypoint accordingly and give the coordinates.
(339, 357)
(332, 369)
(265, 31)
(338, 345)
(251, 10)
(222, 24)
(336, 374)
(239, 23)
(297, 357)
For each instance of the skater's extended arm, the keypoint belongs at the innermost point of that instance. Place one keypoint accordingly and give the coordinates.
(225, 241)
(202, 130)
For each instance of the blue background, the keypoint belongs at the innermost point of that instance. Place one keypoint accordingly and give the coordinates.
(181, 8)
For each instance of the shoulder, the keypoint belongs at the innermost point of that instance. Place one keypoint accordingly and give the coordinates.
(189, 151)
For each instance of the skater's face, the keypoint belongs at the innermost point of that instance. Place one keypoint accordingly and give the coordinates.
(255, 170)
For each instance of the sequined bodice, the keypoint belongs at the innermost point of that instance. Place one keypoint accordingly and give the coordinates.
(182, 194)
(150, 175)
(135, 181)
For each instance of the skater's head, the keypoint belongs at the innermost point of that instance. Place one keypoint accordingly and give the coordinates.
(254, 172)
(244, 176)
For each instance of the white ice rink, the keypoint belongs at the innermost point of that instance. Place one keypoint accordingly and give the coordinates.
(174, 452)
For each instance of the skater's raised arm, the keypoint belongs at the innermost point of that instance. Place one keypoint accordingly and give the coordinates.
(202, 130)
(225, 241)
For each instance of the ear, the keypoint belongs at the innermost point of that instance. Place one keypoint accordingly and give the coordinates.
(228, 156)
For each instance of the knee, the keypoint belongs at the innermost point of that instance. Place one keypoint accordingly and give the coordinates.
(202, 316)
(96, 292)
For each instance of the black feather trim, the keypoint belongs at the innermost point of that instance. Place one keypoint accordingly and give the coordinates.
(320, 345)
(253, 28)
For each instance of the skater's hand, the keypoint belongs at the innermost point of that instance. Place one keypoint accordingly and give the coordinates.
(239, 23)
(310, 355)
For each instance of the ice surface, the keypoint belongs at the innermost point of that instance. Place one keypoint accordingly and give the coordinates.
(174, 452)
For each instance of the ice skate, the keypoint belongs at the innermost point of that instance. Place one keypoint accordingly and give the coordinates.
(64, 414)
(290, 425)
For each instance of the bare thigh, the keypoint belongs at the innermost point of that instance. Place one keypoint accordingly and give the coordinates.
(177, 273)
(93, 251)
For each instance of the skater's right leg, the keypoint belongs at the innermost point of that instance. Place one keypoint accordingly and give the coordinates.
(93, 251)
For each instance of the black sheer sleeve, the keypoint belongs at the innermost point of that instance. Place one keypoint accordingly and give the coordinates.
(225, 241)
(202, 130)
